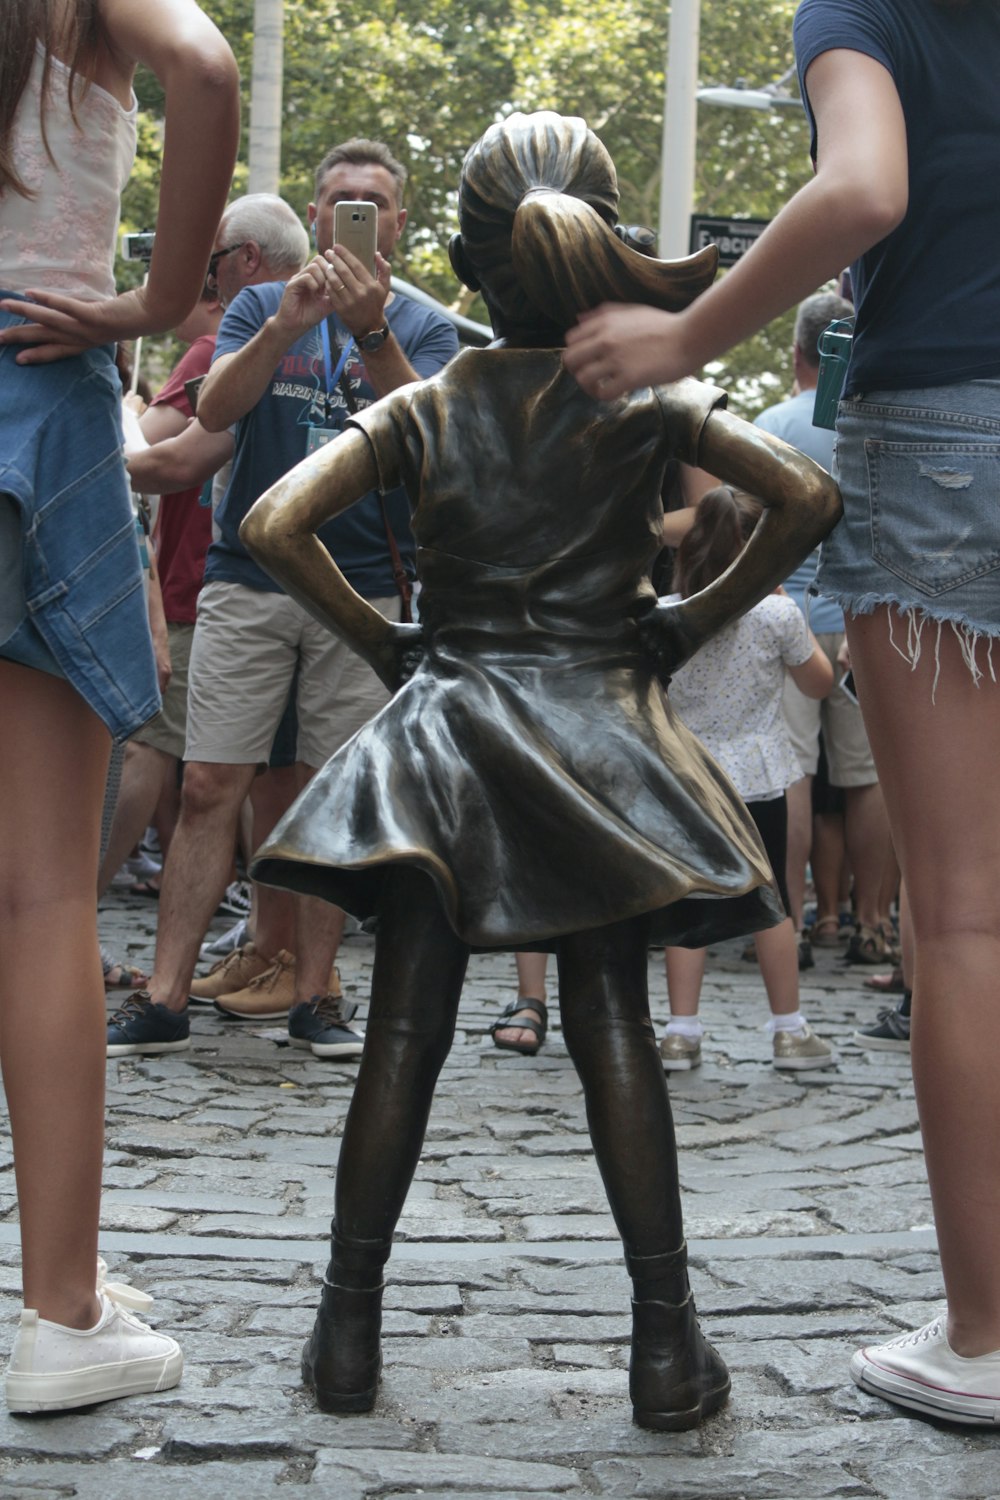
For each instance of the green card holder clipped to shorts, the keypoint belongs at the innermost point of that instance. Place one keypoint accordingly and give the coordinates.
(834, 346)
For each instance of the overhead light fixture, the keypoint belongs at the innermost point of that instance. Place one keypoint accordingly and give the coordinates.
(740, 95)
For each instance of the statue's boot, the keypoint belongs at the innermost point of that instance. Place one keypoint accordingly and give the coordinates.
(676, 1378)
(342, 1358)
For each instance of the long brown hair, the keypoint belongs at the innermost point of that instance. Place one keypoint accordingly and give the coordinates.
(723, 521)
(73, 30)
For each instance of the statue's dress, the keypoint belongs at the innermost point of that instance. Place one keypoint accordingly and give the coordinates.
(532, 765)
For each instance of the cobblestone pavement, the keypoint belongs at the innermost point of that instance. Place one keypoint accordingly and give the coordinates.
(507, 1310)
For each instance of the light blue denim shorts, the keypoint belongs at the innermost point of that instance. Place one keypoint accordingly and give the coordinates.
(73, 601)
(920, 475)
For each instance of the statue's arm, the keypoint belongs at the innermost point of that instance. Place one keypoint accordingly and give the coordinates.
(279, 532)
(801, 505)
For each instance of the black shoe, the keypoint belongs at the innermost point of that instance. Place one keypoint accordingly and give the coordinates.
(140, 1025)
(806, 960)
(676, 1378)
(342, 1358)
(890, 1034)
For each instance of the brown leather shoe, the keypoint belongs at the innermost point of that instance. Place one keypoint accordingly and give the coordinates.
(234, 972)
(271, 995)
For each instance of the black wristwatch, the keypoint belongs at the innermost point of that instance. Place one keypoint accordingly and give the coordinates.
(369, 342)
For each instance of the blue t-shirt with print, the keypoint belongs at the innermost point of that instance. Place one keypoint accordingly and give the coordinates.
(928, 295)
(273, 437)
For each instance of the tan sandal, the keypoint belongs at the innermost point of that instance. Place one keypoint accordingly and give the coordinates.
(826, 933)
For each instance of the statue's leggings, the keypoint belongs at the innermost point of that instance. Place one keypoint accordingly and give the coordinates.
(418, 975)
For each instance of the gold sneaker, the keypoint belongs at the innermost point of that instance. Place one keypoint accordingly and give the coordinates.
(679, 1054)
(802, 1049)
(234, 972)
(271, 995)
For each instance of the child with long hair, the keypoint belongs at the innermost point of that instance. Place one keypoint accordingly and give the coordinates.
(730, 695)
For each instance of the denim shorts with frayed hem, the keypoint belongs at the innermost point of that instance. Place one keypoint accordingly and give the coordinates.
(920, 475)
(74, 604)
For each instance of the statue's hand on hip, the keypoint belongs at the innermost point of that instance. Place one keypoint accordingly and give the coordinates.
(666, 637)
(399, 654)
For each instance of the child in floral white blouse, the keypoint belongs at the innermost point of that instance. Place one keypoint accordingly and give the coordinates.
(730, 696)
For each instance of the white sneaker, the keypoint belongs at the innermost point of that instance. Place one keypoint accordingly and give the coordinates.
(53, 1368)
(141, 867)
(228, 941)
(921, 1371)
(236, 899)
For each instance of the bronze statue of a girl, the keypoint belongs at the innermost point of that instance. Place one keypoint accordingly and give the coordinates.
(528, 784)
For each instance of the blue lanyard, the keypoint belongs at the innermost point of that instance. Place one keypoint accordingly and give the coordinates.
(345, 354)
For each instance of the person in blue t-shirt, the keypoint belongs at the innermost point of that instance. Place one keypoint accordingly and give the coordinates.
(837, 718)
(905, 112)
(293, 360)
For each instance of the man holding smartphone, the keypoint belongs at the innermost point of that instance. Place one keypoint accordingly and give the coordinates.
(293, 360)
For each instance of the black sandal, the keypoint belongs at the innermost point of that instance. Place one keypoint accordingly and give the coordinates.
(504, 1022)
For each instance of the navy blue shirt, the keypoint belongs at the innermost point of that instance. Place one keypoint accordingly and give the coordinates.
(928, 295)
(273, 437)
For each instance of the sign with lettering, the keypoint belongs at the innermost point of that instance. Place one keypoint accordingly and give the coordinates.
(733, 236)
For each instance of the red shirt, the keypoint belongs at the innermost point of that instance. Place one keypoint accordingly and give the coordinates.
(183, 526)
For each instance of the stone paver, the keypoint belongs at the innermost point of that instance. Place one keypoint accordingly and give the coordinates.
(507, 1310)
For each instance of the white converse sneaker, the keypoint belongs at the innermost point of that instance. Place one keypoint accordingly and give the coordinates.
(921, 1371)
(53, 1368)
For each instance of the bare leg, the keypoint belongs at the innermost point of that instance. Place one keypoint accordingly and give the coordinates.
(888, 890)
(800, 828)
(143, 776)
(866, 829)
(828, 865)
(685, 968)
(319, 928)
(945, 817)
(195, 874)
(271, 795)
(907, 954)
(53, 763)
(778, 956)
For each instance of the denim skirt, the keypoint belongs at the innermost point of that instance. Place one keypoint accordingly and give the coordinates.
(920, 475)
(73, 602)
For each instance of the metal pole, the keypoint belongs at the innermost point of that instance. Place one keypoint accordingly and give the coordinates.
(679, 128)
(265, 96)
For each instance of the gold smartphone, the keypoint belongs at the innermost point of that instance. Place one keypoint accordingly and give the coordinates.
(355, 226)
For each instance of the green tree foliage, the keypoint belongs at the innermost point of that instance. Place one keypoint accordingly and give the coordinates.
(427, 76)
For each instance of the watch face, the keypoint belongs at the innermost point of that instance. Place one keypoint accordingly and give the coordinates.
(376, 339)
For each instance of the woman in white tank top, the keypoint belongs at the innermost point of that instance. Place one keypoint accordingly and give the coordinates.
(75, 665)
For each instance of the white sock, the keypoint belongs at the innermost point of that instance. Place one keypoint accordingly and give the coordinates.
(795, 1022)
(689, 1026)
